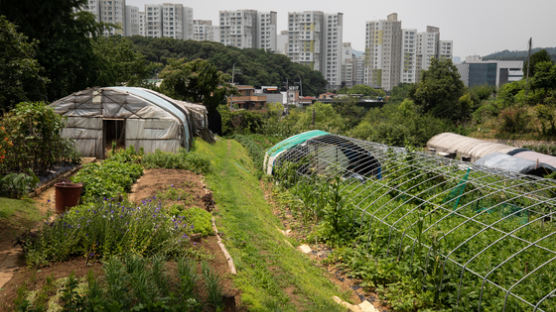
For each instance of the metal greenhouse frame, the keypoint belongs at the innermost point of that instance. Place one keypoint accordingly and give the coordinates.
(493, 231)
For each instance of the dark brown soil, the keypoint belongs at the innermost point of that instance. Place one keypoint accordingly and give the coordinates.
(31, 278)
(150, 184)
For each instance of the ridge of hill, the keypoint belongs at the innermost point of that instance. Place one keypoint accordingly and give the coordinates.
(518, 54)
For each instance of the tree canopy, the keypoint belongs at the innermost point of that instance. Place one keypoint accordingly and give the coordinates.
(439, 91)
(537, 57)
(20, 78)
(197, 81)
(252, 66)
(64, 50)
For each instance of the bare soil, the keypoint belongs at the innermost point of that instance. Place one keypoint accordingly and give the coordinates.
(153, 182)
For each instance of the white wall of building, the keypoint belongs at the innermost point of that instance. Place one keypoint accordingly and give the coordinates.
(239, 28)
(409, 56)
(266, 31)
(131, 20)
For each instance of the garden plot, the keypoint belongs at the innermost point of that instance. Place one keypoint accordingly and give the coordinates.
(156, 253)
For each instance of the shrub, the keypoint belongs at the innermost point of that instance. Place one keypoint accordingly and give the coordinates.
(111, 178)
(180, 160)
(31, 132)
(105, 229)
(199, 220)
(15, 185)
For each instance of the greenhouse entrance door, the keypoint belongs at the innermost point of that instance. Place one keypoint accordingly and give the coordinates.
(114, 134)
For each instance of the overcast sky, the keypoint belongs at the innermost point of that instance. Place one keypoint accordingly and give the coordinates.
(476, 26)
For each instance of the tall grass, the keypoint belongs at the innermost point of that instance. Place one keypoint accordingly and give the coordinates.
(180, 160)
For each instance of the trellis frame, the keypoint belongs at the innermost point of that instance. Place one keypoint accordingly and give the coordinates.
(400, 167)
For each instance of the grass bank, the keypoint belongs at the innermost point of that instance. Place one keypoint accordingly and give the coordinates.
(272, 275)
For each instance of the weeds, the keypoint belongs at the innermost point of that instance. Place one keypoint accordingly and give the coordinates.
(180, 160)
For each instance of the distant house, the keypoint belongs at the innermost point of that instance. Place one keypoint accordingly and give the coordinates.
(273, 94)
(247, 99)
(307, 100)
(327, 96)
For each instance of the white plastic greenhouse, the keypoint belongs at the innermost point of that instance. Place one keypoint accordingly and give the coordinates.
(128, 116)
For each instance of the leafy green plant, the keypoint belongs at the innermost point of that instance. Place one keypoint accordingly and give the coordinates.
(407, 263)
(212, 284)
(111, 178)
(199, 220)
(15, 185)
(108, 228)
(33, 131)
(180, 160)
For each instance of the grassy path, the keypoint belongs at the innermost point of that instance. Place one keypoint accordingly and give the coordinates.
(272, 275)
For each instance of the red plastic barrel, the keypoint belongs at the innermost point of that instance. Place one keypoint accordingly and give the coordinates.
(67, 195)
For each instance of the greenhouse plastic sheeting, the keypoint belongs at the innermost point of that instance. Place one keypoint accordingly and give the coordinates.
(472, 148)
(273, 152)
(164, 104)
(151, 122)
(510, 163)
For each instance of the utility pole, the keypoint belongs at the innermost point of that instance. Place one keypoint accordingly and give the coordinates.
(528, 67)
(300, 86)
(233, 72)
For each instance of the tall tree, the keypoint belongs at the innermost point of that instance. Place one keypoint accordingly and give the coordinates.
(118, 62)
(19, 70)
(197, 81)
(63, 31)
(439, 91)
(537, 57)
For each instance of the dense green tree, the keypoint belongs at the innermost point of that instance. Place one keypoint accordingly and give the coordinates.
(19, 70)
(63, 31)
(439, 90)
(537, 57)
(399, 124)
(249, 66)
(401, 92)
(545, 76)
(197, 81)
(119, 63)
(318, 116)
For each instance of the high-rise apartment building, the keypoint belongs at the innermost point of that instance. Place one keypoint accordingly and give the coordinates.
(142, 24)
(409, 56)
(131, 20)
(383, 52)
(239, 28)
(315, 40)
(446, 49)
(282, 42)
(168, 20)
(113, 12)
(427, 49)
(333, 43)
(172, 21)
(305, 38)
(203, 30)
(266, 31)
(187, 23)
(153, 20)
(347, 65)
(93, 7)
(110, 12)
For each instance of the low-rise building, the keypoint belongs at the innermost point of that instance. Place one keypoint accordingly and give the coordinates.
(476, 72)
(247, 99)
